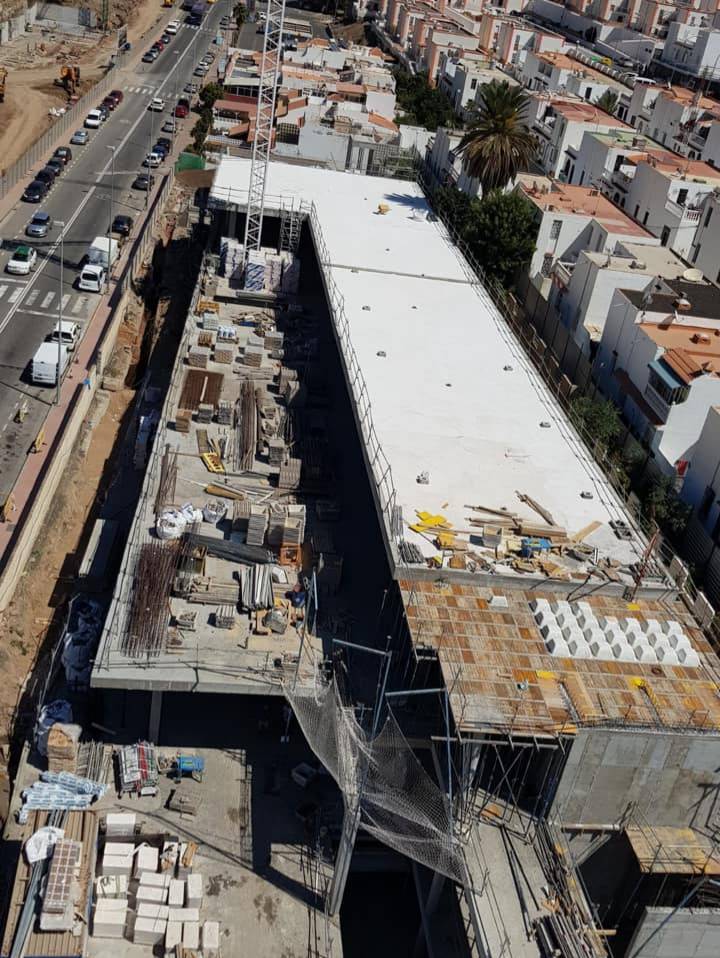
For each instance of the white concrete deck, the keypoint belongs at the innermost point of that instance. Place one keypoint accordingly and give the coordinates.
(442, 398)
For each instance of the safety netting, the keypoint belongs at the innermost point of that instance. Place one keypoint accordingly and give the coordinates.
(399, 803)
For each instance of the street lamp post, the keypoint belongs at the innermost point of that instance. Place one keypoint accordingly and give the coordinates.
(110, 218)
(60, 313)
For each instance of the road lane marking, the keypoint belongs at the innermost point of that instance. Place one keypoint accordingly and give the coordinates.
(78, 305)
(16, 294)
(2, 290)
(47, 300)
(69, 222)
(33, 296)
(65, 301)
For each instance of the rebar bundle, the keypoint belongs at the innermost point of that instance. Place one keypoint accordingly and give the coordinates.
(247, 430)
(168, 479)
(149, 611)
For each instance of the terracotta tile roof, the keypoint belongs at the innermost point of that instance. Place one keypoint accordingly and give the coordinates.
(382, 121)
(683, 364)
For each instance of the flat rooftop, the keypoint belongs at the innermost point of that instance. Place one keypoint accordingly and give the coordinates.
(461, 414)
(641, 258)
(551, 195)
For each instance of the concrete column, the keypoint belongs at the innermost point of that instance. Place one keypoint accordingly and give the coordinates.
(351, 823)
(232, 222)
(155, 715)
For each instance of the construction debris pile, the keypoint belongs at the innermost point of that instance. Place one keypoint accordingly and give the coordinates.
(499, 540)
(79, 641)
(60, 790)
(149, 894)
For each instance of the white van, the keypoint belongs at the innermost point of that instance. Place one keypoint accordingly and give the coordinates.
(92, 278)
(44, 367)
(93, 119)
(69, 334)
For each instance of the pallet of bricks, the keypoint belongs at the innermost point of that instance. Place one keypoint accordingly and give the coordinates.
(150, 894)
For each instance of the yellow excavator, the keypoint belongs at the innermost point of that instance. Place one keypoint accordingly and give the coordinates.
(70, 78)
(3, 77)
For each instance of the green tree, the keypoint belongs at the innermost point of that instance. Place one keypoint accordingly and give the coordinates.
(501, 234)
(200, 131)
(601, 419)
(499, 144)
(209, 94)
(661, 503)
(240, 14)
(608, 102)
(455, 208)
(421, 104)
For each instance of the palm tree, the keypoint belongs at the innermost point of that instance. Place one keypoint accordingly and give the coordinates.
(500, 143)
(608, 102)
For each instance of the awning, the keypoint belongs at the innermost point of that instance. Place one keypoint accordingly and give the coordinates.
(665, 374)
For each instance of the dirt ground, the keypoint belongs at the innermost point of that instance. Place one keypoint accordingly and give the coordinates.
(34, 61)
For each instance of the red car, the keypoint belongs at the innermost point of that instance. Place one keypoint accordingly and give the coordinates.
(110, 102)
(117, 96)
(181, 110)
(159, 44)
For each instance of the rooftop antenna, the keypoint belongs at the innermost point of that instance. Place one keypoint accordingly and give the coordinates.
(267, 93)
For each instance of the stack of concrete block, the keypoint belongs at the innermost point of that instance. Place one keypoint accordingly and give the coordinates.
(253, 356)
(225, 412)
(149, 931)
(147, 909)
(146, 859)
(110, 917)
(112, 886)
(210, 939)
(191, 935)
(205, 412)
(184, 915)
(255, 271)
(273, 339)
(257, 526)
(276, 451)
(173, 937)
(290, 471)
(198, 357)
(120, 824)
(117, 858)
(210, 320)
(183, 418)
(224, 353)
(194, 891)
(176, 893)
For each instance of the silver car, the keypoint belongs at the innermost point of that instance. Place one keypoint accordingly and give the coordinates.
(39, 225)
(80, 138)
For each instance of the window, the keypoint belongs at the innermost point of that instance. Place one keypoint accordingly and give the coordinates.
(547, 264)
(555, 229)
(645, 218)
(473, 84)
(582, 177)
(665, 236)
(671, 396)
(707, 217)
(682, 197)
(696, 251)
(637, 210)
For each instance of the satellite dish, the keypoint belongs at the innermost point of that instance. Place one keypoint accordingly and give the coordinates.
(693, 275)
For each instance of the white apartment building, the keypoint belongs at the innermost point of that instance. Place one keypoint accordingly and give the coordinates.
(560, 73)
(607, 161)
(560, 123)
(692, 49)
(686, 123)
(444, 163)
(572, 219)
(462, 78)
(705, 254)
(583, 290)
(659, 359)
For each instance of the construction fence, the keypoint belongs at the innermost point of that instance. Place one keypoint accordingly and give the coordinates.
(69, 121)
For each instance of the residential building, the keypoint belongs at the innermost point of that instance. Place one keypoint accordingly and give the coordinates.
(706, 243)
(583, 289)
(687, 123)
(701, 491)
(510, 39)
(693, 50)
(560, 123)
(564, 74)
(443, 164)
(659, 359)
(461, 78)
(572, 219)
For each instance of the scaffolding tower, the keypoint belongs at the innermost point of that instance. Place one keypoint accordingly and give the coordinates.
(267, 93)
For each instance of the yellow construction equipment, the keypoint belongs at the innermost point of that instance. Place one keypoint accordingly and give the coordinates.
(3, 77)
(70, 78)
(168, 3)
(8, 507)
(39, 441)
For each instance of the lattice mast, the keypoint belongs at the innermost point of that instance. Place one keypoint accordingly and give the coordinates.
(267, 94)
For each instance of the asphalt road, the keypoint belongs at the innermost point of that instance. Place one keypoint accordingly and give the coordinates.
(81, 198)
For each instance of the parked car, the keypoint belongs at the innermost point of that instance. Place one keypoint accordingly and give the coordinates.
(63, 153)
(80, 138)
(22, 261)
(153, 160)
(39, 225)
(181, 110)
(35, 192)
(103, 111)
(200, 70)
(93, 120)
(159, 45)
(47, 175)
(122, 225)
(164, 141)
(144, 182)
(57, 165)
(150, 56)
(190, 88)
(109, 103)
(157, 104)
(166, 38)
(161, 150)
(68, 334)
(117, 95)
(172, 27)
(169, 125)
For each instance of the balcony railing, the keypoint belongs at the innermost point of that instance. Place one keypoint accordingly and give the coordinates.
(661, 406)
(683, 213)
(563, 271)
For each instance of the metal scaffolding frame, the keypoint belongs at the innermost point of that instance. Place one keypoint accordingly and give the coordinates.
(267, 93)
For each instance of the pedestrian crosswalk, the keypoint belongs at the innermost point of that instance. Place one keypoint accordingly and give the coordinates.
(40, 301)
(145, 90)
